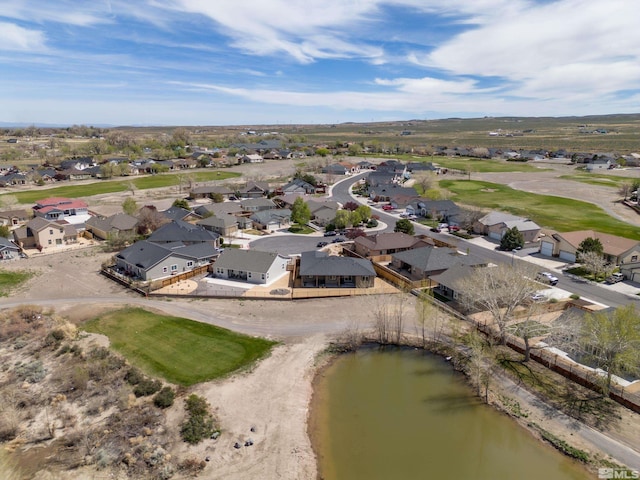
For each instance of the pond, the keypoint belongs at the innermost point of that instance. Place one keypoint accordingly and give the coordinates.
(404, 414)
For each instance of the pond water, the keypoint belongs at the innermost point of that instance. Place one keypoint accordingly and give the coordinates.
(403, 414)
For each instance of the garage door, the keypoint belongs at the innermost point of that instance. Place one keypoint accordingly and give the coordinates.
(495, 235)
(568, 256)
(546, 248)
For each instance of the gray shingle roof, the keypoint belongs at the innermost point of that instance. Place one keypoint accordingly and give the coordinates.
(317, 263)
(436, 258)
(179, 231)
(387, 241)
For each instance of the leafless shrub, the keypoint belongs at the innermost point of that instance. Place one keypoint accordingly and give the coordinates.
(192, 466)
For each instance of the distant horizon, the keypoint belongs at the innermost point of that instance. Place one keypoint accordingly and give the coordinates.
(9, 125)
(314, 62)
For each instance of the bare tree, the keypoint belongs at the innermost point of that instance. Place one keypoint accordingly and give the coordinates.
(479, 362)
(529, 328)
(625, 189)
(498, 290)
(611, 340)
(388, 318)
(430, 321)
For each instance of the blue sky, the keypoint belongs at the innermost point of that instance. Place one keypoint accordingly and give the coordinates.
(224, 62)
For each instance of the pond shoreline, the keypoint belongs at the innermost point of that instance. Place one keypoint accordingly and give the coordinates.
(535, 415)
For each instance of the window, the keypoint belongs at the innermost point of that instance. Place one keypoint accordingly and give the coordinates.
(58, 241)
(165, 269)
(51, 231)
(189, 263)
(49, 241)
(174, 268)
(634, 258)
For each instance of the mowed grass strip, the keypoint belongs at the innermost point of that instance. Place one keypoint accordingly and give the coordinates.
(478, 165)
(119, 185)
(599, 179)
(179, 350)
(558, 213)
(10, 280)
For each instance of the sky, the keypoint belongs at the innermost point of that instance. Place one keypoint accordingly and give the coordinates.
(250, 62)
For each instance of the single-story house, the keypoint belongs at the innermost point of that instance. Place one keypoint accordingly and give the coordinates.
(617, 250)
(207, 191)
(424, 262)
(599, 164)
(225, 225)
(271, 220)
(323, 213)
(44, 234)
(385, 244)
(443, 210)
(297, 185)
(335, 169)
(219, 209)
(255, 190)
(495, 224)
(8, 249)
(257, 204)
(251, 158)
(251, 266)
(319, 269)
(13, 218)
(116, 225)
(151, 261)
(448, 281)
(183, 232)
(179, 213)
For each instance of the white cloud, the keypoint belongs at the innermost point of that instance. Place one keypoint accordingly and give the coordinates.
(304, 30)
(14, 37)
(67, 12)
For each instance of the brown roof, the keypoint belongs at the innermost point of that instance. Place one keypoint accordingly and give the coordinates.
(611, 244)
(387, 241)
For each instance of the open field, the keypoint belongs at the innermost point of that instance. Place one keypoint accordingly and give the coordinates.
(599, 179)
(558, 213)
(181, 351)
(12, 279)
(114, 186)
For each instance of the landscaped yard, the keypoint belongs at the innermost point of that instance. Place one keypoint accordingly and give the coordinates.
(119, 185)
(179, 350)
(10, 280)
(557, 213)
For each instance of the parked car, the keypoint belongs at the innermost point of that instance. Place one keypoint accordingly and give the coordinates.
(435, 229)
(538, 297)
(387, 207)
(454, 228)
(322, 244)
(338, 240)
(546, 277)
(615, 278)
(330, 234)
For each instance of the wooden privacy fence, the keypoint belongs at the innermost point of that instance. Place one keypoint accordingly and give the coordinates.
(553, 361)
(165, 282)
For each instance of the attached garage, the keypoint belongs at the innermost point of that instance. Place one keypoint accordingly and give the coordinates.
(495, 235)
(546, 248)
(568, 256)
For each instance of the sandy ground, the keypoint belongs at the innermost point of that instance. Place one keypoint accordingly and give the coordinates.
(274, 397)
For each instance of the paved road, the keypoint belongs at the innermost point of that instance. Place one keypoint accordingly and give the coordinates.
(340, 192)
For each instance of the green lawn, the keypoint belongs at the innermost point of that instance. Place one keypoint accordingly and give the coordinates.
(479, 165)
(10, 280)
(301, 229)
(599, 179)
(118, 185)
(558, 213)
(181, 351)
